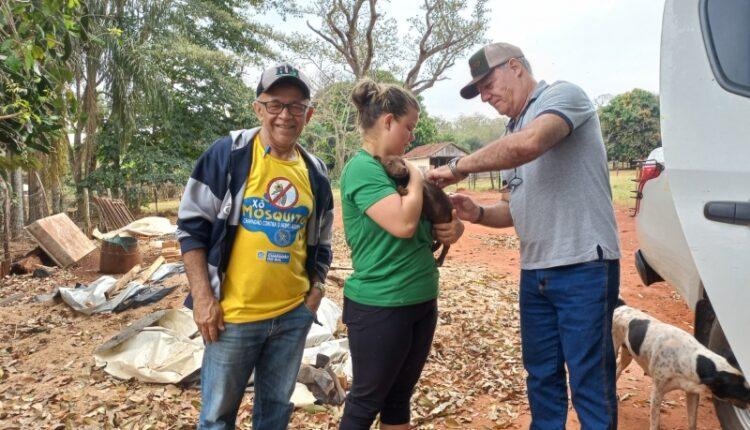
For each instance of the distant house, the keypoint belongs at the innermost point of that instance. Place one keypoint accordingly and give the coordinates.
(428, 157)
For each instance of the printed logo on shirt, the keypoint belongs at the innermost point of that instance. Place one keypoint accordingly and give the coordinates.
(275, 214)
(282, 193)
(278, 257)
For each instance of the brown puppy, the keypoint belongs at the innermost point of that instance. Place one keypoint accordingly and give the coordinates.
(436, 206)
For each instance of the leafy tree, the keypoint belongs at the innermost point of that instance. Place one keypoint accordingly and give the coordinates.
(333, 134)
(37, 37)
(630, 125)
(173, 84)
(36, 44)
(354, 33)
(426, 131)
(471, 131)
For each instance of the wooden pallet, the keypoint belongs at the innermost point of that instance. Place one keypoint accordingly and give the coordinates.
(113, 213)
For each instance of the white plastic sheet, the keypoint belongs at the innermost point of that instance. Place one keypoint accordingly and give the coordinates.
(328, 315)
(165, 352)
(148, 226)
(168, 349)
(87, 300)
(337, 350)
(92, 299)
(302, 397)
(167, 270)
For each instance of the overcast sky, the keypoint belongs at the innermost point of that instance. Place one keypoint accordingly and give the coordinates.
(605, 46)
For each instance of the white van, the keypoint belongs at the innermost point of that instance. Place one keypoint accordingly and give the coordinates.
(693, 213)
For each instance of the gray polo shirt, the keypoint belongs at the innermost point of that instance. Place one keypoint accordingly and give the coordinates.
(562, 208)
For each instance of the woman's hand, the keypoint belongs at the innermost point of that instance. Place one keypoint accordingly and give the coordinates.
(415, 177)
(448, 233)
(413, 170)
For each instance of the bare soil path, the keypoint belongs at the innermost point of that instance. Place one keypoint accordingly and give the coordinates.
(659, 300)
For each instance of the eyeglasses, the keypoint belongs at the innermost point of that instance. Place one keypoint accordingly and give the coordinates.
(511, 183)
(275, 107)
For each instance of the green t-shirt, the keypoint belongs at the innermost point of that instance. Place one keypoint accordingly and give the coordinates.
(388, 271)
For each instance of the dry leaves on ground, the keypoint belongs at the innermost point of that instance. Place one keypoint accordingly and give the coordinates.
(500, 240)
(473, 378)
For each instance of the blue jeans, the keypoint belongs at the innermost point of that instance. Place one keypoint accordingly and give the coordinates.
(274, 349)
(566, 318)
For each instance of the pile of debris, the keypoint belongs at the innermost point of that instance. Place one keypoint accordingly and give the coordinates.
(62, 244)
(165, 348)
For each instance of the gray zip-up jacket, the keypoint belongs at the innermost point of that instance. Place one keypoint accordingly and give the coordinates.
(210, 208)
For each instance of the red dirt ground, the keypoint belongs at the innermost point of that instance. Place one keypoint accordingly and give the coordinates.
(659, 300)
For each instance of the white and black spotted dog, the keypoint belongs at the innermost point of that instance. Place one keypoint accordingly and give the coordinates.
(674, 360)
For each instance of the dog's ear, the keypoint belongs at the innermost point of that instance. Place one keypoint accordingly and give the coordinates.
(706, 369)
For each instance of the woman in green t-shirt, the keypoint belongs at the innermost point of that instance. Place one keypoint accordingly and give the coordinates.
(390, 300)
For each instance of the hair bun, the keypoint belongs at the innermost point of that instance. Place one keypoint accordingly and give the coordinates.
(364, 92)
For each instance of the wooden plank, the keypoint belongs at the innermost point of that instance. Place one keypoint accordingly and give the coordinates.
(143, 278)
(122, 215)
(129, 215)
(112, 221)
(131, 330)
(116, 216)
(105, 213)
(125, 279)
(114, 213)
(61, 239)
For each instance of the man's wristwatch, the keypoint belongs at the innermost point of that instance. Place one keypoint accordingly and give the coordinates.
(320, 286)
(453, 166)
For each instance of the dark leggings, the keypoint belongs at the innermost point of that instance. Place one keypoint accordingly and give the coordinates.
(389, 347)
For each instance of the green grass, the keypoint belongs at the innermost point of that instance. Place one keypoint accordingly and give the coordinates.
(168, 207)
(621, 182)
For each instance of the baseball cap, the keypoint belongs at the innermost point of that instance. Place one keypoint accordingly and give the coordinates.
(482, 62)
(283, 72)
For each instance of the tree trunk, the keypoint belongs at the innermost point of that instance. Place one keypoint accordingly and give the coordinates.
(5, 265)
(492, 180)
(34, 209)
(86, 212)
(19, 213)
(56, 192)
(37, 198)
(156, 200)
(84, 154)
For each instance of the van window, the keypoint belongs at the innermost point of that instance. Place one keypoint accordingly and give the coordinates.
(726, 32)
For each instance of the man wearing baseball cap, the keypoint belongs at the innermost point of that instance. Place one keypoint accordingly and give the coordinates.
(553, 159)
(254, 226)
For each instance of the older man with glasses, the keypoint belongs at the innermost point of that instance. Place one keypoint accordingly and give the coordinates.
(561, 206)
(255, 226)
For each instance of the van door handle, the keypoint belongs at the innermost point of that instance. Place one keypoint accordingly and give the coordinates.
(728, 212)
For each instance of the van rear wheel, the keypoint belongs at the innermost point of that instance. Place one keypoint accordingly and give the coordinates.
(730, 417)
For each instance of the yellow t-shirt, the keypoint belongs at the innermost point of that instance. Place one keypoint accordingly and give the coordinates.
(266, 276)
